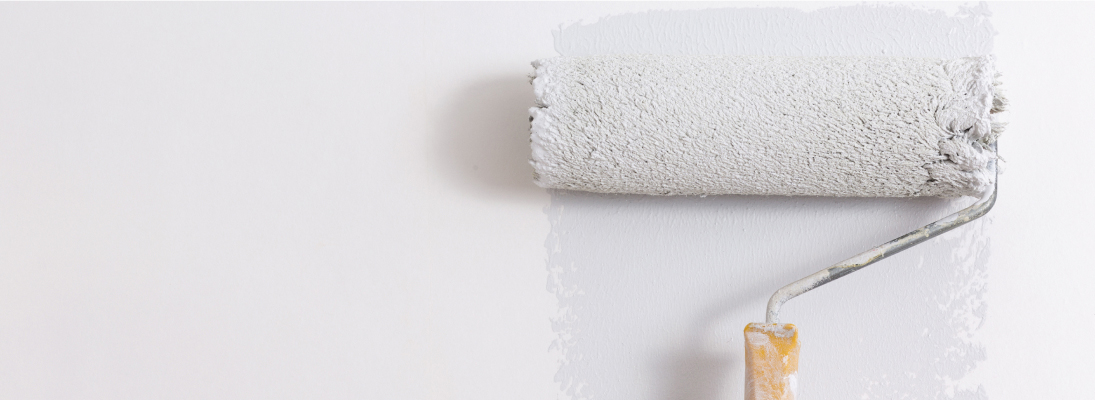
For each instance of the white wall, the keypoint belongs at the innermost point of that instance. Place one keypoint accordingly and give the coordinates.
(332, 201)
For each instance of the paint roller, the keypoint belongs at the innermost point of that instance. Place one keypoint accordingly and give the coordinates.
(791, 126)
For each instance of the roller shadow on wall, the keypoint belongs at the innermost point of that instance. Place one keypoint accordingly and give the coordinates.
(483, 140)
(695, 371)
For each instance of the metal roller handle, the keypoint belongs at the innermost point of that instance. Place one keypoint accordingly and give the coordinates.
(981, 207)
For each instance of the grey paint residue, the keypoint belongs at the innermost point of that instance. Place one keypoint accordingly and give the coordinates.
(654, 291)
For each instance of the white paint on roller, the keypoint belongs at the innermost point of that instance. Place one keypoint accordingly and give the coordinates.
(825, 126)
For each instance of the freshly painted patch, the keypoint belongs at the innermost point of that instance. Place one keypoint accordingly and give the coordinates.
(654, 291)
(846, 31)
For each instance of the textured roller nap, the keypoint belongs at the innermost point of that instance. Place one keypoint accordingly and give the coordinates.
(826, 126)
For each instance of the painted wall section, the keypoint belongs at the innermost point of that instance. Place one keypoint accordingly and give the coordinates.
(655, 291)
(851, 31)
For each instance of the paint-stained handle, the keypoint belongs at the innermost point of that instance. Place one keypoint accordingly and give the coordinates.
(962, 217)
(771, 361)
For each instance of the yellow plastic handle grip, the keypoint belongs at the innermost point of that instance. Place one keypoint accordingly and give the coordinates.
(771, 361)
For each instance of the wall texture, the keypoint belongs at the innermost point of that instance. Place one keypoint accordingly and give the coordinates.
(655, 291)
